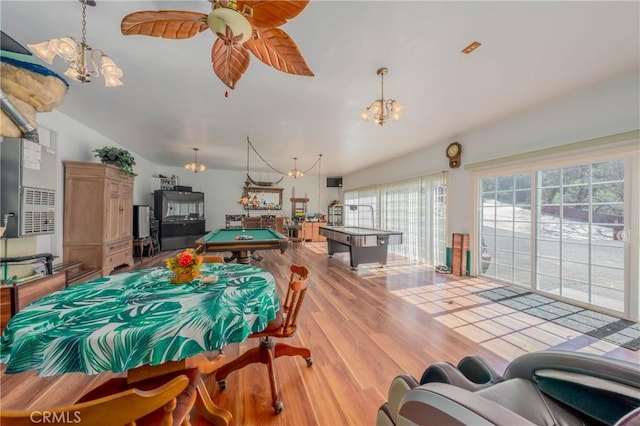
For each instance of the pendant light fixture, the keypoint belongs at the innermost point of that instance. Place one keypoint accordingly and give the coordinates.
(194, 166)
(81, 58)
(382, 109)
(295, 173)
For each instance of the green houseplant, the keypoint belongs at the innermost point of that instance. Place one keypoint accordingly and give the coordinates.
(117, 157)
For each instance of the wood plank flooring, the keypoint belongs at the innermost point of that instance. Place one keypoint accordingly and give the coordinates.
(363, 327)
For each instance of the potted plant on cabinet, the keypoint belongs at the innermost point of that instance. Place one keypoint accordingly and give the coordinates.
(118, 157)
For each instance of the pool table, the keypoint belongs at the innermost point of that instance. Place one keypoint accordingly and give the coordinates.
(256, 239)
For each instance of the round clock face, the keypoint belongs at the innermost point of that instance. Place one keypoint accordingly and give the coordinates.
(453, 150)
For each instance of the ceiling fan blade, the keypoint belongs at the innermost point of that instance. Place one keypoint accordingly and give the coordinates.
(230, 61)
(275, 48)
(270, 13)
(173, 24)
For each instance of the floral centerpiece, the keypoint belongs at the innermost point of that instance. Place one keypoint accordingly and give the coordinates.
(185, 266)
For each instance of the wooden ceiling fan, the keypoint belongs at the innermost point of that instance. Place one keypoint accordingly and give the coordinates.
(242, 26)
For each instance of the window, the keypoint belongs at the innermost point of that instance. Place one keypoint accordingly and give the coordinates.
(416, 207)
(363, 208)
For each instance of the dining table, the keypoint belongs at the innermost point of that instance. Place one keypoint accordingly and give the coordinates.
(140, 323)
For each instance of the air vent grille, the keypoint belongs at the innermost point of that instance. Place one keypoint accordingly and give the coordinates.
(38, 211)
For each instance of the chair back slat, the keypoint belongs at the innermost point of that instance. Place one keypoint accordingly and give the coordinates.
(233, 221)
(292, 318)
(121, 408)
(297, 273)
(296, 291)
(252, 222)
(212, 258)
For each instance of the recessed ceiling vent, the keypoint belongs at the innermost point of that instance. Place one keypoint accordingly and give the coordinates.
(470, 48)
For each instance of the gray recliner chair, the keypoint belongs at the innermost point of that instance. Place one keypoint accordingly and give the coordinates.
(540, 388)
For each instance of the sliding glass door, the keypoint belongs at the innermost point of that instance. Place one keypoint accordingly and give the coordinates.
(579, 221)
(505, 228)
(558, 230)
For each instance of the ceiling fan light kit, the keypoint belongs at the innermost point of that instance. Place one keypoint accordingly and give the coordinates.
(221, 18)
(241, 26)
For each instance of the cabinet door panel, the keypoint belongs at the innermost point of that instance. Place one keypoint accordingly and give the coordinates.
(113, 214)
(126, 212)
(316, 232)
(83, 211)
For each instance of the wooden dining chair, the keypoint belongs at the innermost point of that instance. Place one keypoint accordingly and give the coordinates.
(268, 221)
(252, 222)
(233, 221)
(284, 325)
(122, 408)
(211, 258)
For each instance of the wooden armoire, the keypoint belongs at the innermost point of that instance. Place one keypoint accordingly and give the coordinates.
(98, 216)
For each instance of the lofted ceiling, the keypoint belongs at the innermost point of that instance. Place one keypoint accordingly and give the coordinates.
(171, 101)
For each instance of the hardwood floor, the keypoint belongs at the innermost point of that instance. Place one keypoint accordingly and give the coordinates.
(363, 328)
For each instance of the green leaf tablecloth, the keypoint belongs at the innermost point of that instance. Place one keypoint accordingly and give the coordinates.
(126, 320)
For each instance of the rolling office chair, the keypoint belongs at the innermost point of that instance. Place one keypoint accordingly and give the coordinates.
(284, 325)
(540, 388)
(165, 404)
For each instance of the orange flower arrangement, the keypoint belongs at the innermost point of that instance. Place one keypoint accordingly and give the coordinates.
(185, 266)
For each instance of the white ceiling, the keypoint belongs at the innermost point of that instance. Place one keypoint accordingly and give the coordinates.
(531, 52)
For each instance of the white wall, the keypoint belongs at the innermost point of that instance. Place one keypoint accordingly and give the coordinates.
(223, 188)
(74, 141)
(610, 108)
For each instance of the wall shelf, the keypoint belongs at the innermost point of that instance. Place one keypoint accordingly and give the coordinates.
(299, 207)
(264, 208)
(164, 184)
(270, 198)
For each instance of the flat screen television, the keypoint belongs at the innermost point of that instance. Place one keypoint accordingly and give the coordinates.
(334, 182)
(177, 206)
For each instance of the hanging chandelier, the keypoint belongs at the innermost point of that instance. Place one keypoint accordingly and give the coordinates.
(194, 166)
(246, 200)
(382, 109)
(295, 173)
(81, 59)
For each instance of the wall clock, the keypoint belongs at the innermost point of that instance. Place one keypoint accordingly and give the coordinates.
(453, 154)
